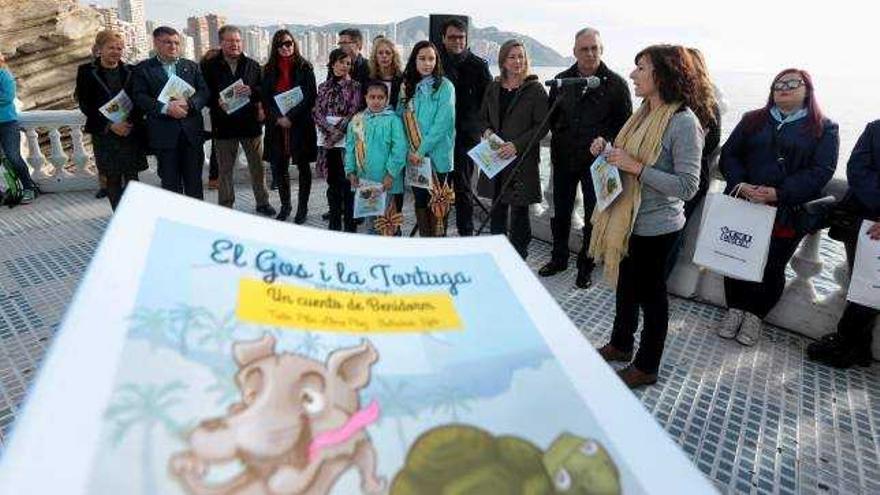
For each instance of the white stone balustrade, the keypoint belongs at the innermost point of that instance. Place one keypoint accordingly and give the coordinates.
(58, 172)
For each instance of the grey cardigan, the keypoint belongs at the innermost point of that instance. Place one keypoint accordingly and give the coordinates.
(672, 179)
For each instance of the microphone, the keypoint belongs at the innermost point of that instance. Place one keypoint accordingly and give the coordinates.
(589, 82)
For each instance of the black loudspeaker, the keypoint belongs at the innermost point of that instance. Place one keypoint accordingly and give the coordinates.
(437, 20)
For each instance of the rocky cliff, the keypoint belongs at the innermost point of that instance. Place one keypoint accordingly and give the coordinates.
(44, 41)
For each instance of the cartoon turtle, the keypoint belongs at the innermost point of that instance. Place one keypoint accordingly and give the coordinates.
(461, 459)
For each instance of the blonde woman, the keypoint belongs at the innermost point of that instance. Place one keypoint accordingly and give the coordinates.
(386, 66)
(10, 135)
(513, 107)
(119, 155)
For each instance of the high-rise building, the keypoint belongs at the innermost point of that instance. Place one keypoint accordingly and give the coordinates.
(215, 22)
(132, 11)
(110, 20)
(197, 28)
(187, 46)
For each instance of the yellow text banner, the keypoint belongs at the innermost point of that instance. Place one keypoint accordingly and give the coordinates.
(339, 311)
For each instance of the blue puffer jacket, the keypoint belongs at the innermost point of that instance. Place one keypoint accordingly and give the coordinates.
(791, 159)
(863, 169)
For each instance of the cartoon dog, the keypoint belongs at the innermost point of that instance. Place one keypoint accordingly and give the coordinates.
(297, 429)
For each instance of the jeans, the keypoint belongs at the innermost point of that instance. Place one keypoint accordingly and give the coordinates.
(642, 284)
(10, 143)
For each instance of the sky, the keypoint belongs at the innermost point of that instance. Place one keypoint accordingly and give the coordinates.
(740, 35)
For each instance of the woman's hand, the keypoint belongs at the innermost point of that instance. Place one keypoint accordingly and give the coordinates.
(598, 146)
(487, 133)
(507, 150)
(121, 129)
(874, 232)
(387, 182)
(414, 158)
(764, 194)
(622, 160)
(284, 122)
(353, 179)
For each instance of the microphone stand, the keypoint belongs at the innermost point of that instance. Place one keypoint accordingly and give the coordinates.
(516, 164)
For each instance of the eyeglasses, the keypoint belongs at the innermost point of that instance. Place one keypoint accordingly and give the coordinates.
(788, 84)
(285, 44)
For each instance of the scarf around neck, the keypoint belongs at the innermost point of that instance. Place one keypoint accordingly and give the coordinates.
(642, 138)
(783, 119)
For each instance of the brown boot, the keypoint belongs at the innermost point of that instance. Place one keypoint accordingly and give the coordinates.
(610, 353)
(634, 377)
(424, 222)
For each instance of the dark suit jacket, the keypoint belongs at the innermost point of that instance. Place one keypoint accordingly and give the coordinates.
(147, 82)
(218, 76)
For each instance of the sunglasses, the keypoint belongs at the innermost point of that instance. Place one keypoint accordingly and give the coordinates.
(285, 44)
(788, 85)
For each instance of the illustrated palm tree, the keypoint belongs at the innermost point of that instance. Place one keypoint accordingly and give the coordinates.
(396, 401)
(310, 345)
(452, 401)
(149, 323)
(220, 330)
(186, 319)
(146, 406)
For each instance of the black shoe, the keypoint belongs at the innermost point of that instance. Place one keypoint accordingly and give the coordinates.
(584, 277)
(284, 213)
(101, 194)
(553, 267)
(833, 351)
(266, 210)
(300, 217)
(325, 216)
(359, 221)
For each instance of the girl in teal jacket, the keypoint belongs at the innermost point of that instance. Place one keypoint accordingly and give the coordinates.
(427, 106)
(375, 145)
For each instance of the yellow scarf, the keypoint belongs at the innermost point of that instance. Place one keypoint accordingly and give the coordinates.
(360, 147)
(641, 137)
(410, 124)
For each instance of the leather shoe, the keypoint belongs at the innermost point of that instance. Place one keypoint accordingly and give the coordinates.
(266, 210)
(834, 351)
(284, 213)
(610, 353)
(634, 377)
(553, 267)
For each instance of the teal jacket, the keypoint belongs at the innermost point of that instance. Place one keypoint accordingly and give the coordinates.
(7, 97)
(386, 147)
(435, 113)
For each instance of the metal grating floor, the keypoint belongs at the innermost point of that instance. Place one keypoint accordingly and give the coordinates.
(756, 420)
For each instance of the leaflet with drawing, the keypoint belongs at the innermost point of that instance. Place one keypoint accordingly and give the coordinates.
(606, 180)
(289, 99)
(212, 351)
(176, 89)
(421, 175)
(485, 155)
(233, 101)
(117, 109)
(369, 199)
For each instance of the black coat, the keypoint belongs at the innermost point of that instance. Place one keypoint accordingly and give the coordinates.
(302, 136)
(527, 109)
(218, 76)
(582, 116)
(163, 131)
(470, 75)
(92, 93)
(113, 153)
(863, 171)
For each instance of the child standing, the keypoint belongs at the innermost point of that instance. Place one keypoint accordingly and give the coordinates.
(375, 146)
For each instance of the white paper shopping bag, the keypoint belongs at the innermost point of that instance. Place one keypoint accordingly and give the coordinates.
(735, 237)
(864, 285)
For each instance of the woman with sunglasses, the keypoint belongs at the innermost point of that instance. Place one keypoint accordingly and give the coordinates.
(289, 137)
(781, 155)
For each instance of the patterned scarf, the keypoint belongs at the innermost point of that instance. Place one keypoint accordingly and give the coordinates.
(642, 138)
(413, 132)
(358, 126)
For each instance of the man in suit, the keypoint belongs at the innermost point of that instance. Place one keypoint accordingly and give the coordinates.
(174, 128)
